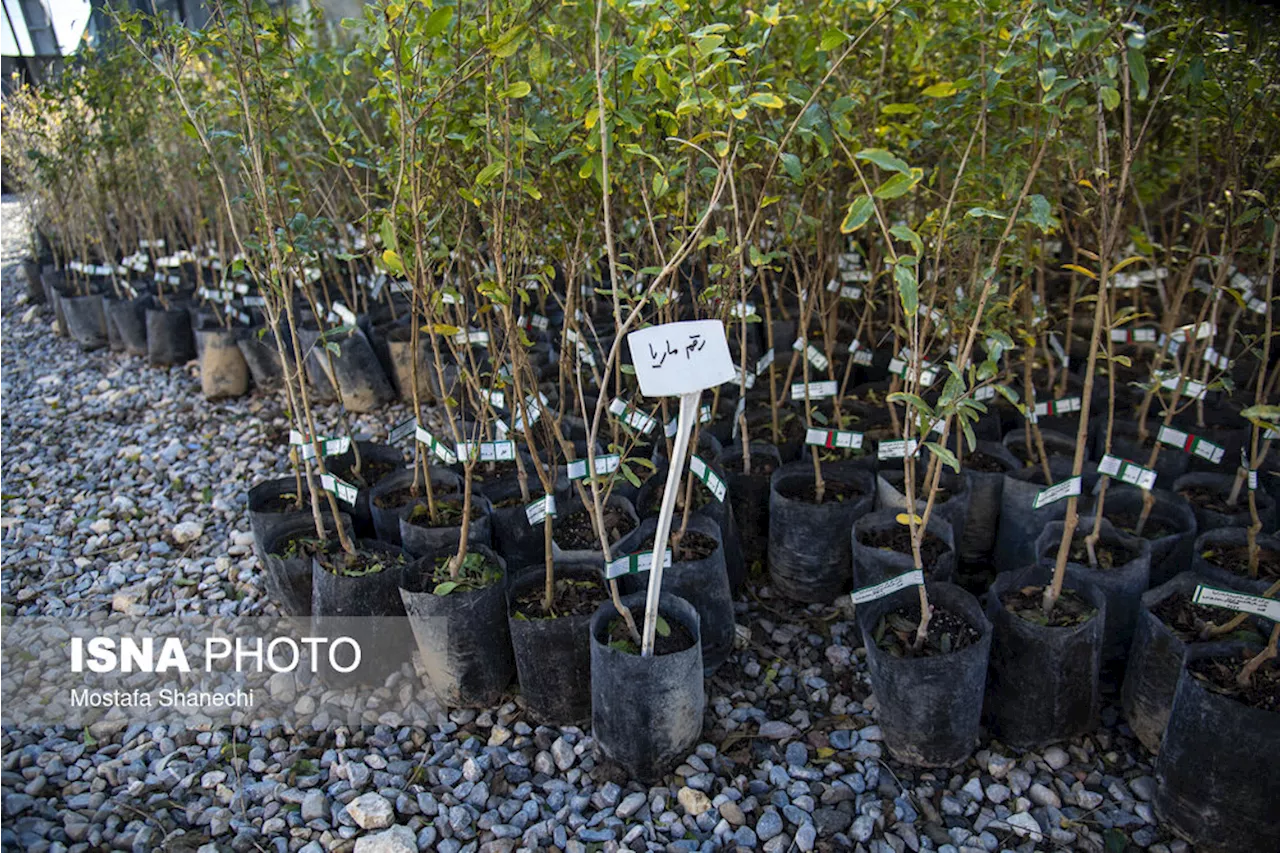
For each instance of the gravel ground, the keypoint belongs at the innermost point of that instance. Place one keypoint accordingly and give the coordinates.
(105, 456)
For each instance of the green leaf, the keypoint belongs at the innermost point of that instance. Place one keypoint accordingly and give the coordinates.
(1138, 71)
(391, 260)
(516, 90)
(1110, 97)
(832, 39)
(707, 44)
(983, 213)
(509, 42)
(791, 165)
(1047, 76)
(902, 232)
(883, 159)
(661, 627)
(940, 90)
(437, 22)
(859, 212)
(488, 173)
(908, 288)
(899, 109)
(912, 400)
(898, 185)
(945, 455)
(1264, 417)
(445, 588)
(660, 185)
(1040, 214)
(768, 100)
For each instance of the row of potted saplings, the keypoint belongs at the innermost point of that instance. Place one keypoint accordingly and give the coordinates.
(1042, 677)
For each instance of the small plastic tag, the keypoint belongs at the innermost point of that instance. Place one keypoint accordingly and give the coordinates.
(709, 478)
(1239, 601)
(1058, 491)
(606, 464)
(487, 451)
(341, 489)
(833, 438)
(540, 509)
(634, 564)
(1189, 443)
(817, 390)
(402, 430)
(424, 437)
(1128, 472)
(899, 449)
(915, 577)
(1064, 406)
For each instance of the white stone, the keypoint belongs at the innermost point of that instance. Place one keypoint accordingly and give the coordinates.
(187, 531)
(1023, 824)
(397, 839)
(371, 811)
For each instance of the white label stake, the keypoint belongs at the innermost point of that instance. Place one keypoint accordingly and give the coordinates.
(682, 359)
(914, 577)
(1268, 607)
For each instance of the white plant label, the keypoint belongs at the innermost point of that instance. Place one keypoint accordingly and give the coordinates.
(817, 390)
(340, 489)
(1056, 346)
(1064, 406)
(540, 509)
(901, 366)
(1125, 281)
(984, 393)
(606, 464)
(672, 427)
(1189, 443)
(1185, 387)
(704, 414)
(632, 417)
(496, 398)
(345, 314)
(854, 275)
(738, 411)
(424, 437)
(915, 577)
(634, 564)
(746, 380)
(833, 438)
(709, 478)
(328, 446)
(1133, 336)
(487, 451)
(533, 405)
(1217, 359)
(681, 358)
(481, 338)
(762, 364)
(1204, 330)
(536, 321)
(899, 449)
(1266, 607)
(1174, 346)
(402, 430)
(743, 310)
(1257, 306)
(1058, 491)
(1128, 472)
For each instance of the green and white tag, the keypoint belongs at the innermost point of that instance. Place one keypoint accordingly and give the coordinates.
(833, 438)
(1134, 336)
(533, 404)
(487, 451)
(744, 379)
(423, 437)
(631, 416)
(915, 577)
(535, 321)
(606, 464)
(817, 390)
(496, 398)
(1128, 472)
(540, 509)
(472, 337)
(1189, 443)
(899, 449)
(328, 446)
(709, 478)
(1240, 601)
(634, 564)
(1217, 359)
(340, 489)
(1070, 488)
(704, 414)
(860, 354)
(743, 310)
(1251, 474)
(901, 366)
(402, 430)
(1184, 386)
(815, 356)
(1065, 406)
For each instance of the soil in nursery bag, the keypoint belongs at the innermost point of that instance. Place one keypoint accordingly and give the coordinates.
(422, 535)
(261, 355)
(1188, 620)
(899, 542)
(1216, 767)
(669, 637)
(460, 625)
(86, 321)
(931, 697)
(553, 648)
(1042, 684)
(810, 558)
(169, 338)
(287, 556)
(749, 496)
(130, 320)
(357, 595)
(574, 532)
(393, 492)
(1208, 495)
(1223, 555)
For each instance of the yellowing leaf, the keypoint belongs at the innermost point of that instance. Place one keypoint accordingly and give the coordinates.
(768, 100)
(516, 90)
(1127, 262)
(1082, 270)
(858, 214)
(904, 519)
(940, 90)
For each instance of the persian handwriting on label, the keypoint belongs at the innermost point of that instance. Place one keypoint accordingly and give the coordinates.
(709, 478)
(899, 449)
(1192, 444)
(681, 358)
(1128, 472)
(604, 465)
(833, 438)
(915, 577)
(1185, 387)
(544, 507)
(340, 489)
(487, 451)
(1267, 607)
(446, 455)
(1058, 407)
(816, 390)
(1058, 491)
(635, 563)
